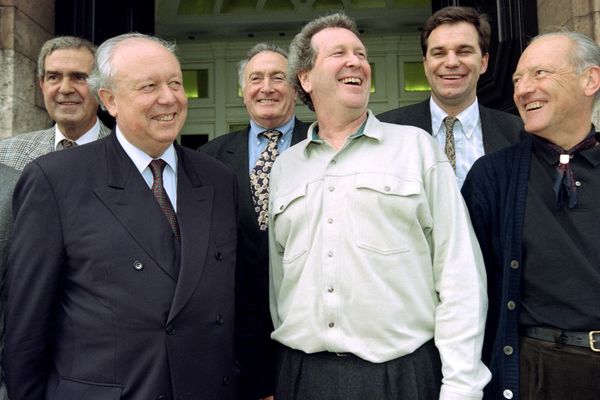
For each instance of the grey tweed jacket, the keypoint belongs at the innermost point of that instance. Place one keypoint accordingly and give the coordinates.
(8, 178)
(20, 150)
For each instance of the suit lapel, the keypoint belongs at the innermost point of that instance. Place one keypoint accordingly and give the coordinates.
(493, 139)
(194, 211)
(132, 203)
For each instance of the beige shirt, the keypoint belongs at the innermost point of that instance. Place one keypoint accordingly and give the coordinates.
(372, 252)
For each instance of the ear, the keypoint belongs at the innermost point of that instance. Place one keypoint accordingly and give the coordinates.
(41, 81)
(108, 99)
(592, 81)
(304, 79)
(484, 62)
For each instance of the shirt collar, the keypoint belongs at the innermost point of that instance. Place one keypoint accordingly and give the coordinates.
(592, 155)
(141, 159)
(89, 136)
(367, 128)
(285, 129)
(468, 118)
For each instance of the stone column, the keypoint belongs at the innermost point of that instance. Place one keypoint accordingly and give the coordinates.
(24, 26)
(577, 15)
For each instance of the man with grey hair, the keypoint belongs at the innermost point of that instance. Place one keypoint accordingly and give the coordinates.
(377, 282)
(270, 101)
(121, 267)
(535, 210)
(64, 63)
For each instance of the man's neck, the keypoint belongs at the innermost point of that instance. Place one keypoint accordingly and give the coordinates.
(76, 131)
(453, 109)
(336, 131)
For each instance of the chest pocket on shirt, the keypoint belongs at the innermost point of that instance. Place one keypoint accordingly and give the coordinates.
(384, 213)
(290, 224)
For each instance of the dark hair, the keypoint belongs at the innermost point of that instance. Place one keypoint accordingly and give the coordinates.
(454, 15)
(303, 54)
(62, 43)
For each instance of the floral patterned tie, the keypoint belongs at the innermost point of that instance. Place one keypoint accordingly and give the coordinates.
(449, 147)
(157, 167)
(259, 178)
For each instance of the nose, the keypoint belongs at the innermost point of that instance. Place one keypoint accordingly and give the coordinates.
(353, 60)
(65, 85)
(523, 86)
(166, 95)
(267, 85)
(452, 59)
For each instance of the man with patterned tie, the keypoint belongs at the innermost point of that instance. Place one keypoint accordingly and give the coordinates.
(270, 101)
(534, 207)
(122, 266)
(377, 282)
(455, 42)
(64, 63)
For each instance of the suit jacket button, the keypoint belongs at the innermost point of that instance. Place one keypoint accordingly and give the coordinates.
(138, 265)
(219, 255)
(170, 330)
(225, 380)
(220, 319)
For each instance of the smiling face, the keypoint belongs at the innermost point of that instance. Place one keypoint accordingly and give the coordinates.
(147, 96)
(66, 94)
(553, 99)
(268, 96)
(340, 79)
(453, 64)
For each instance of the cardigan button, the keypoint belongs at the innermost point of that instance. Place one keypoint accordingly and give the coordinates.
(514, 264)
(511, 305)
(508, 394)
(508, 350)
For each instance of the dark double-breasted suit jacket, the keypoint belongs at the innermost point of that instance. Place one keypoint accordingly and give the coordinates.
(257, 360)
(499, 129)
(103, 302)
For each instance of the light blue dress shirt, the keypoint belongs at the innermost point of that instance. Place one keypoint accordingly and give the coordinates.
(468, 138)
(257, 142)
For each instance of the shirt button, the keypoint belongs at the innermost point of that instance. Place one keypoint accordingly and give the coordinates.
(331, 188)
(330, 254)
(577, 183)
(280, 208)
(333, 162)
(138, 265)
(387, 188)
(514, 264)
(508, 394)
(331, 325)
(330, 220)
(508, 350)
(511, 305)
(330, 289)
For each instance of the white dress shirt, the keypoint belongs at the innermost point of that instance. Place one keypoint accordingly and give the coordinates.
(87, 137)
(468, 137)
(372, 252)
(142, 162)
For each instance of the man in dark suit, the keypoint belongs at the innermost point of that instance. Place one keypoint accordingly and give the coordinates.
(8, 178)
(122, 265)
(270, 102)
(455, 42)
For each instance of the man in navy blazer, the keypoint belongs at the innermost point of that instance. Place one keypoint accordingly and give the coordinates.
(108, 297)
(455, 42)
(270, 101)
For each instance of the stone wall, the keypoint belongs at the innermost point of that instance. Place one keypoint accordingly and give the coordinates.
(24, 26)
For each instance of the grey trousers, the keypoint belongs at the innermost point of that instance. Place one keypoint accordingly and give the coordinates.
(548, 372)
(328, 376)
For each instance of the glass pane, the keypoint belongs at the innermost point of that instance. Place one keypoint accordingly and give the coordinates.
(195, 82)
(414, 78)
(195, 7)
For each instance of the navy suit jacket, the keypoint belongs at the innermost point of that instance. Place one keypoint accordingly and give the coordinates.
(253, 317)
(499, 129)
(103, 302)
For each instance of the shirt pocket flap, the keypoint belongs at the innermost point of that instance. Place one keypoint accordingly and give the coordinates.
(281, 203)
(387, 184)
